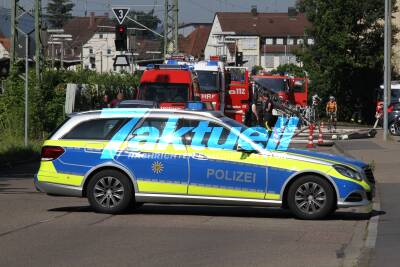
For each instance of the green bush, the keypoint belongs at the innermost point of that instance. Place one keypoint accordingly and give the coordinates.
(46, 102)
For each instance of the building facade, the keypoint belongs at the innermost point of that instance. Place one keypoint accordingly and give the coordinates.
(265, 39)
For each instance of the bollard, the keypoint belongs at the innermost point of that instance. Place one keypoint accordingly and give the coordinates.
(320, 138)
(310, 137)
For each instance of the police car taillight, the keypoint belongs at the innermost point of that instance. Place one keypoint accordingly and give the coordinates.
(51, 152)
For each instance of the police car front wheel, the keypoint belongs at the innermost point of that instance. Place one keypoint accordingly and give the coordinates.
(311, 197)
(110, 191)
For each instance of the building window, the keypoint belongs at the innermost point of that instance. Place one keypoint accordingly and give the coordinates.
(100, 36)
(248, 43)
(93, 66)
(279, 41)
(310, 41)
(300, 41)
(109, 51)
(90, 50)
(290, 41)
(269, 41)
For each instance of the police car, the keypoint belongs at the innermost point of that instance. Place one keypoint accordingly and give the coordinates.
(123, 158)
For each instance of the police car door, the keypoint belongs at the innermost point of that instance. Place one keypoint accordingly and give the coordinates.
(158, 166)
(218, 168)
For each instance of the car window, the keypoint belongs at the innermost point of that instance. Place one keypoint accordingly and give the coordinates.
(216, 136)
(159, 130)
(101, 129)
(149, 130)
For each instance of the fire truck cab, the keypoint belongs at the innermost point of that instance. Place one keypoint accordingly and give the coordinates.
(212, 80)
(292, 90)
(171, 86)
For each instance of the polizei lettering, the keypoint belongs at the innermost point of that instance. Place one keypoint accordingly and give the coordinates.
(229, 175)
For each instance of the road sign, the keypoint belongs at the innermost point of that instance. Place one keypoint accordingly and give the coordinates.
(121, 61)
(120, 13)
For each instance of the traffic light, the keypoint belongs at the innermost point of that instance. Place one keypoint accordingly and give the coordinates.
(120, 38)
(239, 58)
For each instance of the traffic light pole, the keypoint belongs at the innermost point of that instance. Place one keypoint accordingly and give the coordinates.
(387, 68)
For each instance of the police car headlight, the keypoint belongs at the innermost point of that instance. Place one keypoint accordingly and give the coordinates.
(346, 171)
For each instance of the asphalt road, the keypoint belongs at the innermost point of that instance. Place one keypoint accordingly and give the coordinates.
(39, 230)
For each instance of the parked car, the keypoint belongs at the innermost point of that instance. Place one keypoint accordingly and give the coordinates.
(393, 116)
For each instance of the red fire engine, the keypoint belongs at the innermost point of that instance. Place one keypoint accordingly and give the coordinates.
(212, 80)
(293, 90)
(239, 93)
(171, 86)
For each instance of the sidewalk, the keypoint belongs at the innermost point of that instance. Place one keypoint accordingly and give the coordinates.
(386, 159)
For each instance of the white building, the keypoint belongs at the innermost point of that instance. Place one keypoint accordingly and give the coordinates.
(92, 45)
(266, 39)
(99, 52)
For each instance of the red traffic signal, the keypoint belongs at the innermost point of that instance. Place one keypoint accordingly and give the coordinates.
(121, 28)
(121, 38)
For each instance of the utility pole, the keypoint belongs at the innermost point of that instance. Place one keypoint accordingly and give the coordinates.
(101, 61)
(170, 27)
(38, 13)
(13, 31)
(387, 69)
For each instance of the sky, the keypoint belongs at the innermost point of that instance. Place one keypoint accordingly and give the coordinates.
(189, 10)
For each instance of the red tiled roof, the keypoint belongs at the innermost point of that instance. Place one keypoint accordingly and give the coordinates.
(195, 43)
(263, 24)
(5, 42)
(82, 29)
(143, 45)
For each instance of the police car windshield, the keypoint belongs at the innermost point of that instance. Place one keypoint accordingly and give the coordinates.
(208, 81)
(164, 92)
(274, 84)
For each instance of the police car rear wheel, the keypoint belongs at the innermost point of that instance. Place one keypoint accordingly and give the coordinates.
(311, 198)
(110, 191)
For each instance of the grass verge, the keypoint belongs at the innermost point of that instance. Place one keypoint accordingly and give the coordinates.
(13, 151)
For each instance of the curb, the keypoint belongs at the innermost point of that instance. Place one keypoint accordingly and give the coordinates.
(371, 234)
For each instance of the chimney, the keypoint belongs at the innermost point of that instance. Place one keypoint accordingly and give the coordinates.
(254, 10)
(292, 13)
(91, 19)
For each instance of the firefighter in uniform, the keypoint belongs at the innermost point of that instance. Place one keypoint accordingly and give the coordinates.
(256, 109)
(262, 110)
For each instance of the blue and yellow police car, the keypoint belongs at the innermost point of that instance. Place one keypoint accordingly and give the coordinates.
(122, 158)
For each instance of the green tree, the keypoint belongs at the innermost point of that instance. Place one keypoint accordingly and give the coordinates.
(149, 19)
(59, 12)
(291, 69)
(347, 58)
